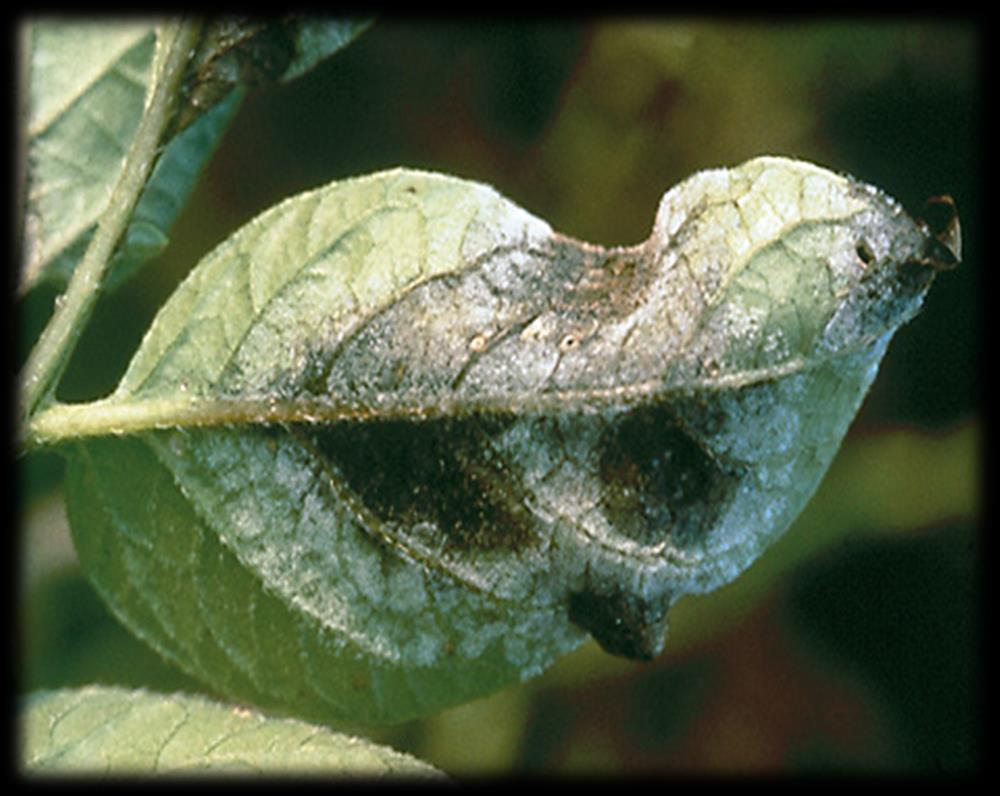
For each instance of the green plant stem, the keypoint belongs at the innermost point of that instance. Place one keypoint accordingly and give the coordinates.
(51, 353)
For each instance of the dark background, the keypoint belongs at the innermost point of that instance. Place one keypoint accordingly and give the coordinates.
(855, 644)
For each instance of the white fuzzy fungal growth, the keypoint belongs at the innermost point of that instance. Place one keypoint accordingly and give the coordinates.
(433, 441)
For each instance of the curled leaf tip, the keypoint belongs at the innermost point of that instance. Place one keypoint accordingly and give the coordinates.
(940, 220)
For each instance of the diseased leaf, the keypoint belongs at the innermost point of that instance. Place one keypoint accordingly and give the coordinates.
(414, 442)
(111, 731)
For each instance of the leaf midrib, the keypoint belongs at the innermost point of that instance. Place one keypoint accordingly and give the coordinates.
(118, 415)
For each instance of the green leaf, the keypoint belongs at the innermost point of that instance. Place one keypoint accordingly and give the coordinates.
(413, 442)
(239, 51)
(87, 90)
(87, 85)
(316, 40)
(169, 187)
(110, 731)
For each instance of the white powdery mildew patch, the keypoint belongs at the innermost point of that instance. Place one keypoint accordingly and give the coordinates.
(480, 308)
(504, 272)
(296, 540)
(467, 625)
(475, 640)
(674, 302)
(824, 197)
(499, 223)
(568, 492)
(743, 325)
(706, 187)
(843, 263)
(320, 561)
(536, 462)
(776, 430)
(541, 639)
(525, 364)
(406, 590)
(561, 472)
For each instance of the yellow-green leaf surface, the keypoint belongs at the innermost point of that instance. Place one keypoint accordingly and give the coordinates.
(396, 443)
(112, 732)
(86, 86)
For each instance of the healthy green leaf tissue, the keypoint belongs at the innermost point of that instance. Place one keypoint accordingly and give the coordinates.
(397, 443)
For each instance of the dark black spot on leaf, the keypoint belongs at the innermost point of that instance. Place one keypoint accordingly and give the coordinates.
(864, 253)
(442, 472)
(658, 481)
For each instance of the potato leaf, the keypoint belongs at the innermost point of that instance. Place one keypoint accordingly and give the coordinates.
(86, 90)
(87, 85)
(235, 51)
(115, 732)
(396, 443)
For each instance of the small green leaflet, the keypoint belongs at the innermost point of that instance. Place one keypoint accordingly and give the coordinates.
(98, 731)
(396, 443)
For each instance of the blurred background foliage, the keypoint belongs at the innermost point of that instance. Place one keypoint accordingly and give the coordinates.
(854, 644)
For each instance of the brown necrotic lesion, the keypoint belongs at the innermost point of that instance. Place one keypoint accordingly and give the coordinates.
(657, 481)
(622, 623)
(442, 474)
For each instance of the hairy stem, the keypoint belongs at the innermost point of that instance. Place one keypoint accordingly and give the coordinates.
(51, 353)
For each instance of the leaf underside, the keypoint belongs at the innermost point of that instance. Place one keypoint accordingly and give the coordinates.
(404, 443)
